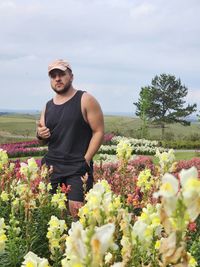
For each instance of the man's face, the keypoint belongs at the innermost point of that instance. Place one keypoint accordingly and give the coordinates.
(61, 81)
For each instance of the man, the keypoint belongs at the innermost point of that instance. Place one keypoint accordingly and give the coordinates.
(72, 125)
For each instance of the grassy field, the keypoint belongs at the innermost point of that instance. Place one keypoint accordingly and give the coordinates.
(19, 127)
(128, 126)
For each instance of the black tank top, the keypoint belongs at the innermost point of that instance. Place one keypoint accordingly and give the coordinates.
(70, 136)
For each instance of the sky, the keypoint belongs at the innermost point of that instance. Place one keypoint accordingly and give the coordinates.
(115, 47)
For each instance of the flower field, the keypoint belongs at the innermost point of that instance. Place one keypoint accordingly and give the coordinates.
(33, 148)
(137, 214)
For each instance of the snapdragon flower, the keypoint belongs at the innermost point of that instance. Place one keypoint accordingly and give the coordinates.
(3, 158)
(168, 190)
(145, 181)
(29, 169)
(101, 205)
(165, 159)
(124, 150)
(82, 245)
(55, 234)
(4, 196)
(191, 191)
(3, 237)
(32, 260)
(59, 200)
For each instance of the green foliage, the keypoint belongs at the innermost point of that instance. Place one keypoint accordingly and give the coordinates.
(180, 144)
(143, 105)
(27, 235)
(166, 104)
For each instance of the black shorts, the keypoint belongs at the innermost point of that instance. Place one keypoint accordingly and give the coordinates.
(76, 192)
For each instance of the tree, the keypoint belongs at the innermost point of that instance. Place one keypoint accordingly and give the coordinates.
(165, 102)
(143, 105)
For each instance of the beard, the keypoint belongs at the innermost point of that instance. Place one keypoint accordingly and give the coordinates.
(64, 90)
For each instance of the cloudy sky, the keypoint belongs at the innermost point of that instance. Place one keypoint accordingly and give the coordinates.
(114, 46)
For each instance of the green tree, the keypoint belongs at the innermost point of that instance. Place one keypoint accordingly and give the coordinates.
(166, 103)
(143, 105)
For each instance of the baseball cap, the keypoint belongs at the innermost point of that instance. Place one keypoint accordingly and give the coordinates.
(60, 64)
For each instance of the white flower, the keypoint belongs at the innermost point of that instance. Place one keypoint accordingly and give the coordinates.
(168, 191)
(118, 264)
(139, 229)
(108, 257)
(191, 191)
(75, 246)
(103, 238)
(187, 175)
(31, 259)
(169, 187)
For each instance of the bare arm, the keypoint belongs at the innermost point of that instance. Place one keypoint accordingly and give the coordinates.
(93, 115)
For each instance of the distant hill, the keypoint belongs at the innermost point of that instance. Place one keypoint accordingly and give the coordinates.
(191, 118)
(18, 111)
(4, 113)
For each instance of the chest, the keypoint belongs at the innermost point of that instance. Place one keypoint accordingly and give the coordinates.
(63, 116)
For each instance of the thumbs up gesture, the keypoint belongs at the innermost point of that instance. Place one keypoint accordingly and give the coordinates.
(42, 131)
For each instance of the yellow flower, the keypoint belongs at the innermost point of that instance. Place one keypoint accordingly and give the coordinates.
(157, 244)
(49, 187)
(117, 202)
(165, 159)
(32, 165)
(124, 150)
(55, 243)
(144, 180)
(32, 260)
(148, 233)
(144, 216)
(42, 186)
(31, 264)
(59, 200)
(54, 234)
(3, 237)
(192, 262)
(4, 196)
(156, 221)
(15, 203)
(3, 158)
(169, 187)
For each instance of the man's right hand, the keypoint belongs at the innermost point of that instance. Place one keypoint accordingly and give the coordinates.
(42, 131)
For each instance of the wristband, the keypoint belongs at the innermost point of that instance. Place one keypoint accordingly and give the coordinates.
(39, 137)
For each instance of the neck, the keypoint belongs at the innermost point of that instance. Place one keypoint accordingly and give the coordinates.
(59, 99)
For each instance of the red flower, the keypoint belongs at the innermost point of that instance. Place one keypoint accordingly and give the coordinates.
(65, 189)
(192, 226)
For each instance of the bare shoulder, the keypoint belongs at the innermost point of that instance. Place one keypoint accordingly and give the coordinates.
(89, 101)
(91, 111)
(88, 98)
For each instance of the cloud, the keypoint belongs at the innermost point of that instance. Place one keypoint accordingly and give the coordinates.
(114, 46)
